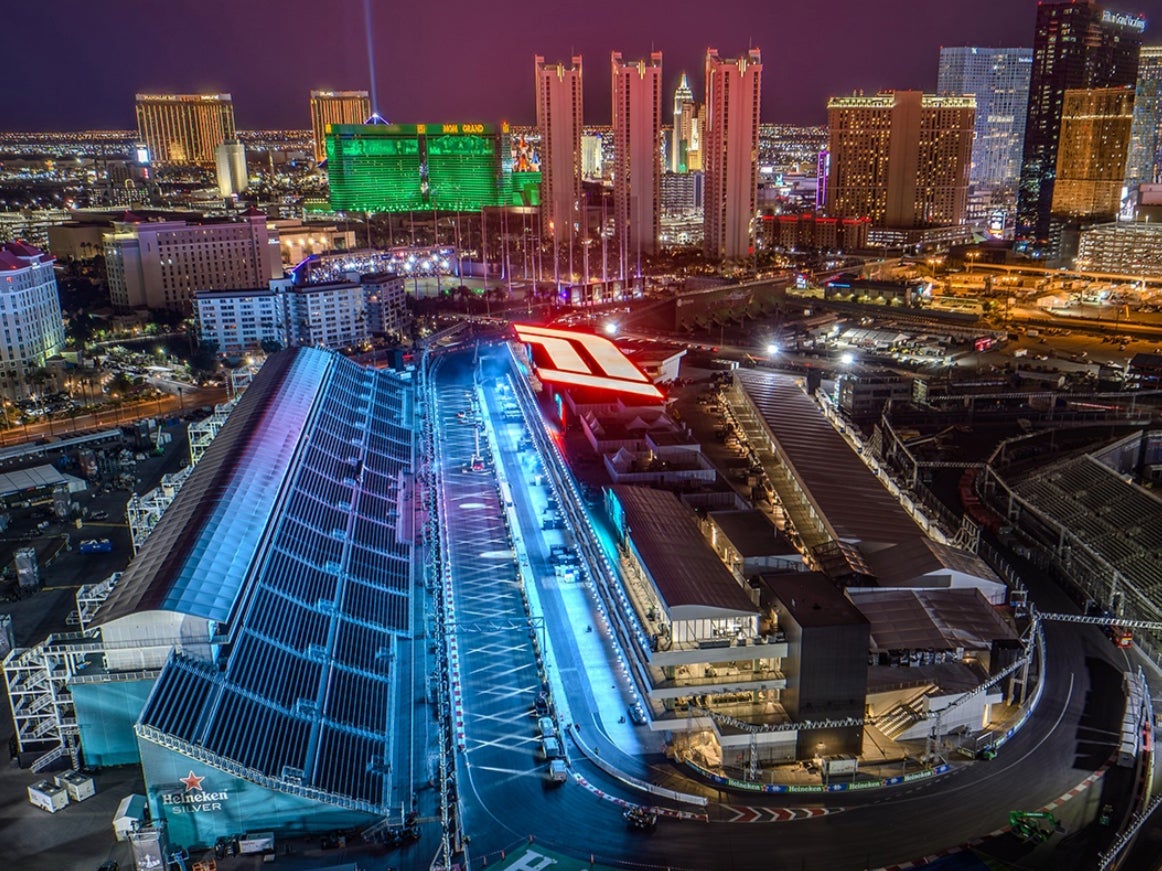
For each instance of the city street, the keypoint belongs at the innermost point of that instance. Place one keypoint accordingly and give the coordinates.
(125, 413)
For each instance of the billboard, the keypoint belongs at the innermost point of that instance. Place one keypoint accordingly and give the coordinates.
(525, 156)
(424, 167)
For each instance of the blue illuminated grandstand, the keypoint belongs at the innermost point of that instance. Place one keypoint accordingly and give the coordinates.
(271, 597)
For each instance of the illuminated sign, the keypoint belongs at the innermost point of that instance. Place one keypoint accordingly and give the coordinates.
(194, 799)
(1123, 20)
(585, 360)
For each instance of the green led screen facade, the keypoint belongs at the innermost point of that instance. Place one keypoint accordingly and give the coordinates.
(413, 167)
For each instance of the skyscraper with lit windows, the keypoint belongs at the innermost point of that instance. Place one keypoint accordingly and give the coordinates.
(730, 151)
(1091, 160)
(1145, 156)
(184, 129)
(637, 163)
(335, 107)
(999, 80)
(900, 158)
(30, 317)
(1077, 45)
(686, 139)
(559, 119)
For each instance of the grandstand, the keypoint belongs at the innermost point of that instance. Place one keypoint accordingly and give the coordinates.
(254, 641)
(1106, 528)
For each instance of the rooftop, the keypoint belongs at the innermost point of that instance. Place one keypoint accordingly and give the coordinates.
(916, 558)
(751, 533)
(20, 255)
(937, 619)
(684, 568)
(812, 600)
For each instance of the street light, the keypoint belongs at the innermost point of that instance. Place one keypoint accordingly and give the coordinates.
(772, 349)
(847, 358)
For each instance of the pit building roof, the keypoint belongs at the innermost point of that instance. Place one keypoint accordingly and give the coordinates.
(684, 568)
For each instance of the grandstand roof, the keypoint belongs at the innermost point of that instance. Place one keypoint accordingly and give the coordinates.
(316, 585)
(196, 559)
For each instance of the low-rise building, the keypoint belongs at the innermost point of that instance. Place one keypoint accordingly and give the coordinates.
(298, 240)
(328, 315)
(936, 238)
(241, 320)
(811, 232)
(331, 314)
(826, 662)
(1127, 247)
(386, 298)
(863, 397)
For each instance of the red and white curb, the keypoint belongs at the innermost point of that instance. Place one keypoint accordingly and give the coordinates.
(621, 802)
(740, 814)
(976, 842)
(746, 814)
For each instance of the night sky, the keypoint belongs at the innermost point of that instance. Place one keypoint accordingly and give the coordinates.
(76, 64)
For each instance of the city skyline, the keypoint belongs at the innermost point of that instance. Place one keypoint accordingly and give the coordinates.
(485, 83)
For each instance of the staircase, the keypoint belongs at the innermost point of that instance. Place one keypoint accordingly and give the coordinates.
(905, 714)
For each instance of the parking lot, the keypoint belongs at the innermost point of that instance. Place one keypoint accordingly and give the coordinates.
(80, 836)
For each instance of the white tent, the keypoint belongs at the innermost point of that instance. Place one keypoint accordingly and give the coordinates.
(131, 813)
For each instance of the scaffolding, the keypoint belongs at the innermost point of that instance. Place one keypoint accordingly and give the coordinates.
(202, 432)
(145, 511)
(37, 681)
(90, 597)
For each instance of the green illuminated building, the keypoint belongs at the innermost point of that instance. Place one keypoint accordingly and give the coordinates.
(414, 167)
